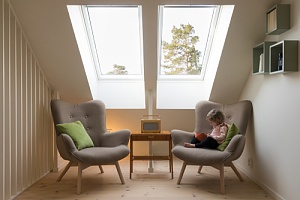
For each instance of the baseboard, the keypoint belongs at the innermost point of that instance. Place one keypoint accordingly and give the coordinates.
(258, 182)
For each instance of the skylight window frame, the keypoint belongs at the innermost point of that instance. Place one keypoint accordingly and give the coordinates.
(95, 56)
(162, 77)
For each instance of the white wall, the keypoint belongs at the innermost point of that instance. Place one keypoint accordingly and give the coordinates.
(26, 139)
(273, 136)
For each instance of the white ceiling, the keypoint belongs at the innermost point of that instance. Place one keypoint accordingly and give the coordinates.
(48, 29)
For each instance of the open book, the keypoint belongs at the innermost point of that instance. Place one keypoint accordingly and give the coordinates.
(200, 136)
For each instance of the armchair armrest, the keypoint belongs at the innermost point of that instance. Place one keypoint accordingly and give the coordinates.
(116, 138)
(68, 141)
(235, 142)
(236, 147)
(66, 147)
(179, 137)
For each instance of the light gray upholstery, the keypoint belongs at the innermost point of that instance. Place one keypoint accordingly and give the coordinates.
(109, 147)
(238, 114)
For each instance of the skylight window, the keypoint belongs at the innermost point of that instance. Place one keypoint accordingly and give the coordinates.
(110, 43)
(185, 38)
(189, 50)
(109, 40)
(115, 36)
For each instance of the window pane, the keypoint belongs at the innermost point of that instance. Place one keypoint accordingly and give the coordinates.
(116, 33)
(185, 32)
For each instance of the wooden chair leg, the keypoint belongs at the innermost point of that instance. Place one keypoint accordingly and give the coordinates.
(101, 169)
(79, 178)
(199, 169)
(181, 173)
(64, 171)
(236, 172)
(119, 172)
(222, 181)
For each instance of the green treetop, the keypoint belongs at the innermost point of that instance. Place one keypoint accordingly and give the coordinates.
(118, 70)
(181, 56)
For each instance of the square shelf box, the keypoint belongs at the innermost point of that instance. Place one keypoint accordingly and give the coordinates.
(289, 51)
(261, 58)
(278, 19)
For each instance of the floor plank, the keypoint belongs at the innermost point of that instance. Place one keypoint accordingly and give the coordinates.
(144, 185)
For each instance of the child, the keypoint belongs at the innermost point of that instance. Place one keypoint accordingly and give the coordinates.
(217, 120)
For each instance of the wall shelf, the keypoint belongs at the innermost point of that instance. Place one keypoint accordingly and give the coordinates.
(261, 58)
(278, 19)
(289, 51)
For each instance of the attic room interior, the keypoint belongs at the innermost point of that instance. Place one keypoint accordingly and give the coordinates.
(42, 60)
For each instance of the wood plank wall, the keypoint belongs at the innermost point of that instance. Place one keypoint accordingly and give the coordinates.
(26, 139)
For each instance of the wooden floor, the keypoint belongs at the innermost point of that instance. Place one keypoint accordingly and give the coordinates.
(143, 185)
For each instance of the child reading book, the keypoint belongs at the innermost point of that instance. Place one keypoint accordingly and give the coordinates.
(211, 140)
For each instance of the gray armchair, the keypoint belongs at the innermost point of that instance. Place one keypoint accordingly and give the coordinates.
(238, 114)
(109, 147)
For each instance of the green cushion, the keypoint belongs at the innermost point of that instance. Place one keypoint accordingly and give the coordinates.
(232, 131)
(78, 134)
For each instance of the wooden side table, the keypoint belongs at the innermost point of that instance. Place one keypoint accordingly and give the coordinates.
(163, 136)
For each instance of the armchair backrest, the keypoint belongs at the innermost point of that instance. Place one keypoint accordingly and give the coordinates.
(91, 114)
(238, 113)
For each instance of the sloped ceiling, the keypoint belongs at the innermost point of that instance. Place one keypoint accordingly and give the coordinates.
(48, 29)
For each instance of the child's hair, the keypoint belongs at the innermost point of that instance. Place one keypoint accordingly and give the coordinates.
(216, 116)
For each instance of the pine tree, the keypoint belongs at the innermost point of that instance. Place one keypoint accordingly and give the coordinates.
(118, 70)
(181, 56)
